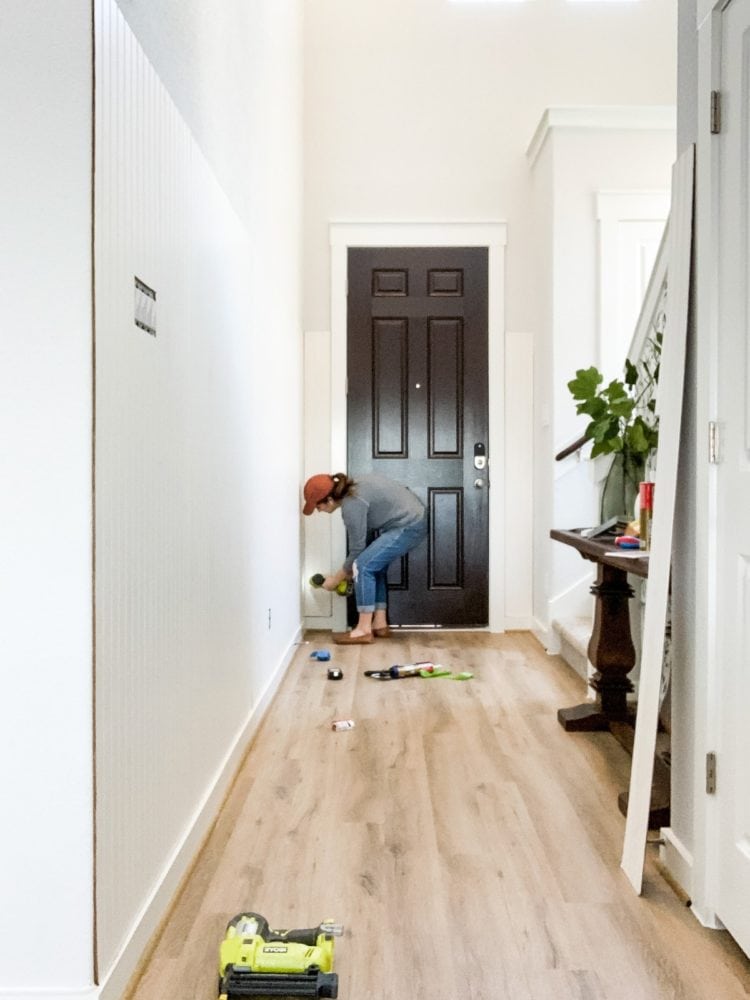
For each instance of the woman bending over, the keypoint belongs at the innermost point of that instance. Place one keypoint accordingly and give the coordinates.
(368, 504)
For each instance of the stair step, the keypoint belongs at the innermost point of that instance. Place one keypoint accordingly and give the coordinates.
(576, 632)
(574, 641)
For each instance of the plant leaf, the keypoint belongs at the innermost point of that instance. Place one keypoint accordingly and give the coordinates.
(585, 384)
(594, 408)
(636, 439)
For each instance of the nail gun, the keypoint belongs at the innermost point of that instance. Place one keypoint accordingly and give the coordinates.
(258, 961)
(343, 589)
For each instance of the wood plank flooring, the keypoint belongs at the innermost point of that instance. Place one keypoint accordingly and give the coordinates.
(470, 846)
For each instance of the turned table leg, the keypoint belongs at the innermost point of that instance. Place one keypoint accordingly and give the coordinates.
(612, 653)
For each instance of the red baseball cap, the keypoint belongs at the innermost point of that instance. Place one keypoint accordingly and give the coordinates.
(317, 488)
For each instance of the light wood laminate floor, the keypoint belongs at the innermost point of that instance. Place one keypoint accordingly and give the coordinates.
(470, 846)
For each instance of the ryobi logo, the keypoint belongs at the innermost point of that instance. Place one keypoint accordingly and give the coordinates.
(276, 949)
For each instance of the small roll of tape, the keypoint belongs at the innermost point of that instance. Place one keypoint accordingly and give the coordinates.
(342, 724)
(334, 674)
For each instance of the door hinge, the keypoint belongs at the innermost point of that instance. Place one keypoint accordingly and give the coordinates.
(710, 773)
(715, 112)
(714, 442)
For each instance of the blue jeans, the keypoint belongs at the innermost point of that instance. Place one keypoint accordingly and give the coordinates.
(370, 568)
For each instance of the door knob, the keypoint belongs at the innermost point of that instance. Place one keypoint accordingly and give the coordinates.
(479, 483)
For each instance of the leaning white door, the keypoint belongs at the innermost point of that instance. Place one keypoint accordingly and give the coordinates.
(733, 477)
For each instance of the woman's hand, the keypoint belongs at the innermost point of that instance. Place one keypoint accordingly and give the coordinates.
(332, 581)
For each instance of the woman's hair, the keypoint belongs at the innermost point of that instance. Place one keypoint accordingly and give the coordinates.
(342, 485)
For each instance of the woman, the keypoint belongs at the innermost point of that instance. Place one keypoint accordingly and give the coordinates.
(369, 504)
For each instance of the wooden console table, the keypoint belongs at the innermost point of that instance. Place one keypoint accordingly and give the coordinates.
(612, 653)
(611, 649)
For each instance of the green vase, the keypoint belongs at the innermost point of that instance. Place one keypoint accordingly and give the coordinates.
(621, 486)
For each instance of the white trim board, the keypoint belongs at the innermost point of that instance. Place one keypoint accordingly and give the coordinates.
(669, 409)
(491, 234)
(705, 8)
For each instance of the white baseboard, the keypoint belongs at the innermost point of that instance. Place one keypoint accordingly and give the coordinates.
(319, 624)
(677, 859)
(546, 636)
(53, 993)
(522, 623)
(707, 919)
(154, 911)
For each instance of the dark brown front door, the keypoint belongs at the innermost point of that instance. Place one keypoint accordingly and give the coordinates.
(417, 412)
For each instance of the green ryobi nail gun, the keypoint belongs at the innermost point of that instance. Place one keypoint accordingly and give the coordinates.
(258, 961)
(344, 588)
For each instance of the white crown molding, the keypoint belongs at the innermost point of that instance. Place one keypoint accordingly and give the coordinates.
(656, 117)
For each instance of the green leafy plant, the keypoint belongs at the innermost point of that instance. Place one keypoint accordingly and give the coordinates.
(623, 419)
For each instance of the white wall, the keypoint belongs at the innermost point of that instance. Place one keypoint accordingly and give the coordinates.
(46, 853)
(423, 112)
(198, 450)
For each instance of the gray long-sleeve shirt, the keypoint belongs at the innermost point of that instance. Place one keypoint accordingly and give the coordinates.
(376, 504)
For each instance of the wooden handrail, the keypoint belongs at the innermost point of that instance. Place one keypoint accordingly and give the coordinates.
(579, 443)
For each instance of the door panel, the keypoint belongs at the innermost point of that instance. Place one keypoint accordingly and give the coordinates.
(733, 478)
(417, 405)
(389, 386)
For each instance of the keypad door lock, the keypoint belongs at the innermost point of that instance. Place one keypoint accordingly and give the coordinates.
(480, 456)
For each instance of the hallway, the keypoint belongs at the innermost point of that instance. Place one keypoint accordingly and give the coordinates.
(470, 847)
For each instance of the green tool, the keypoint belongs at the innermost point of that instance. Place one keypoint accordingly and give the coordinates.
(463, 676)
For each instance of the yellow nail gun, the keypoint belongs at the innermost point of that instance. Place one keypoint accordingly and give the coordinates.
(258, 961)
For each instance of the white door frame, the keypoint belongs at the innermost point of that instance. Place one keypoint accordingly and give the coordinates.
(493, 236)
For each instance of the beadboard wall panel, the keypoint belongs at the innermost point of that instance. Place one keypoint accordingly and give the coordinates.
(186, 651)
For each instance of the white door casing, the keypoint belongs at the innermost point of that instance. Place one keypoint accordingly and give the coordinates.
(733, 478)
(492, 235)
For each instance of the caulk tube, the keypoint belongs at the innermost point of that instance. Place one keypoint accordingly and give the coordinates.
(410, 669)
